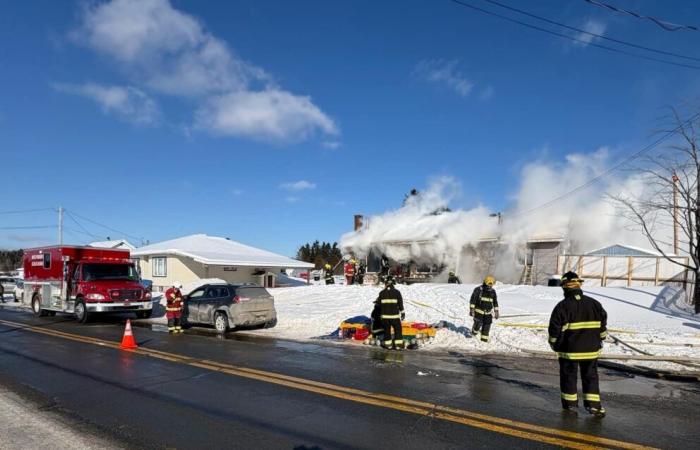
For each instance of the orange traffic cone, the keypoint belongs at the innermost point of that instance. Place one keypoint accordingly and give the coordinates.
(128, 339)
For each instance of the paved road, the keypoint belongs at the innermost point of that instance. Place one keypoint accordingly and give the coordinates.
(196, 390)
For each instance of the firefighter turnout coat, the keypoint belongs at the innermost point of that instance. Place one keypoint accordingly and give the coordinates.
(173, 298)
(390, 304)
(577, 327)
(483, 301)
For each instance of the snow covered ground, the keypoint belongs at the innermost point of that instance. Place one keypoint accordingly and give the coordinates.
(647, 318)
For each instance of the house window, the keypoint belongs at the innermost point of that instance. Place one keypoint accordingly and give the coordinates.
(159, 267)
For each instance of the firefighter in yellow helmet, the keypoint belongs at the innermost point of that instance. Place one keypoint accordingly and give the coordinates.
(328, 274)
(483, 307)
(577, 329)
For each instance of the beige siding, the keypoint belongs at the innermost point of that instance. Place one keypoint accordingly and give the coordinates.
(186, 270)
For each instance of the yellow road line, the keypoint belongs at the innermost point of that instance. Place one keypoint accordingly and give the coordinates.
(504, 426)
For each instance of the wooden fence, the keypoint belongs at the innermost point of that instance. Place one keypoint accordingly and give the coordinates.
(625, 270)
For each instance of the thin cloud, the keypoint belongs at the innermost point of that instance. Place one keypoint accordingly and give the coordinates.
(169, 52)
(126, 102)
(331, 145)
(292, 199)
(487, 93)
(301, 185)
(593, 27)
(445, 73)
(267, 115)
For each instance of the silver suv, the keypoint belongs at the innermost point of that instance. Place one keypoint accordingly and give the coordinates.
(7, 287)
(230, 305)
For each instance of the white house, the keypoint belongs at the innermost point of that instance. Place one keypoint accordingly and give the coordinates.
(121, 244)
(199, 256)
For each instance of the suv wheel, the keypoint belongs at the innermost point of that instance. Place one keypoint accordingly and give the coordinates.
(221, 322)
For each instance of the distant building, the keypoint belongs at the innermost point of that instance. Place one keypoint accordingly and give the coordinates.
(117, 243)
(199, 256)
(622, 250)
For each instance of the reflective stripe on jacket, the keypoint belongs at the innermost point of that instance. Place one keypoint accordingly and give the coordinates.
(390, 303)
(578, 326)
(483, 300)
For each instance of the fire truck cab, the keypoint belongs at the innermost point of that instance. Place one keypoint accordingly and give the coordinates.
(83, 281)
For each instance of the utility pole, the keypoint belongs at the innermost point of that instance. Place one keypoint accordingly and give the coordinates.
(675, 214)
(60, 225)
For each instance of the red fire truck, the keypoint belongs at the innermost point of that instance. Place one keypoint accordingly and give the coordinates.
(83, 281)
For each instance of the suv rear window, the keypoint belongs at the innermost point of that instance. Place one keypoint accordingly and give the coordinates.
(252, 292)
(217, 292)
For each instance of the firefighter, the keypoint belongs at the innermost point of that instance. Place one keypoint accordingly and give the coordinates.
(577, 329)
(173, 308)
(376, 328)
(349, 270)
(328, 274)
(392, 313)
(453, 279)
(483, 307)
(383, 268)
(361, 271)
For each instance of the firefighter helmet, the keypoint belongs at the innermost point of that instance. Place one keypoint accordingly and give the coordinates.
(327, 266)
(177, 285)
(489, 281)
(570, 280)
(389, 281)
(452, 273)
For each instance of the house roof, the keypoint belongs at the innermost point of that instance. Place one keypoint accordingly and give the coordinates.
(219, 251)
(118, 243)
(622, 250)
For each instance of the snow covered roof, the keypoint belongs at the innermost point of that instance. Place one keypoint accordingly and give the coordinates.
(119, 243)
(218, 251)
(622, 250)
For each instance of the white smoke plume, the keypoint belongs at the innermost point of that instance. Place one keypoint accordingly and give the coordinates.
(584, 221)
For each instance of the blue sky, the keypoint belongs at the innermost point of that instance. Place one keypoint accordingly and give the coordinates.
(273, 122)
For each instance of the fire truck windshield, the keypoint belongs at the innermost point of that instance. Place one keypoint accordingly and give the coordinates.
(95, 272)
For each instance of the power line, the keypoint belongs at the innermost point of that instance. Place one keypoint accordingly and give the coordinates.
(575, 39)
(618, 41)
(22, 211)
(106, 227)
(668, 26)
(611, 169)
(31, 227)
(85, 231)
(73, 230)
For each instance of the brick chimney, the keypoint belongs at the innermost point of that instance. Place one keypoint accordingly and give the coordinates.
(358, 222)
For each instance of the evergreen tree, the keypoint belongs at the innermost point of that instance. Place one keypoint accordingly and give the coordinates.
(320, 253)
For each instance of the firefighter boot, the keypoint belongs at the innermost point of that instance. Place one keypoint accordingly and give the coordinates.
(597, 411)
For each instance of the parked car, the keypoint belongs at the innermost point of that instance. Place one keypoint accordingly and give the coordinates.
(7, 286)
(19, 290)
(227, 306)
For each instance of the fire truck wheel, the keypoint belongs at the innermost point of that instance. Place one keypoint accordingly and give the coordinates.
(36, 306)
(81, 312)
(221, 322)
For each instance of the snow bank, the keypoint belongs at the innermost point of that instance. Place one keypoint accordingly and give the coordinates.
(650, 317)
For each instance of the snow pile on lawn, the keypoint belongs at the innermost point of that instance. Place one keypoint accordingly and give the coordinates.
(649, 317)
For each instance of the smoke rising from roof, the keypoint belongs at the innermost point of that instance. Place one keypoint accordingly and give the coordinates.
(420, 231)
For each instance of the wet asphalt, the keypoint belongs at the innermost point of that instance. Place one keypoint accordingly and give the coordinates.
(151, 403)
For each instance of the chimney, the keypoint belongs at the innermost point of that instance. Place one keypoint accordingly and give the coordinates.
(358, 222)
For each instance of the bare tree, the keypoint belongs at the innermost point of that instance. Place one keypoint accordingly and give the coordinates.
(671, 198)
